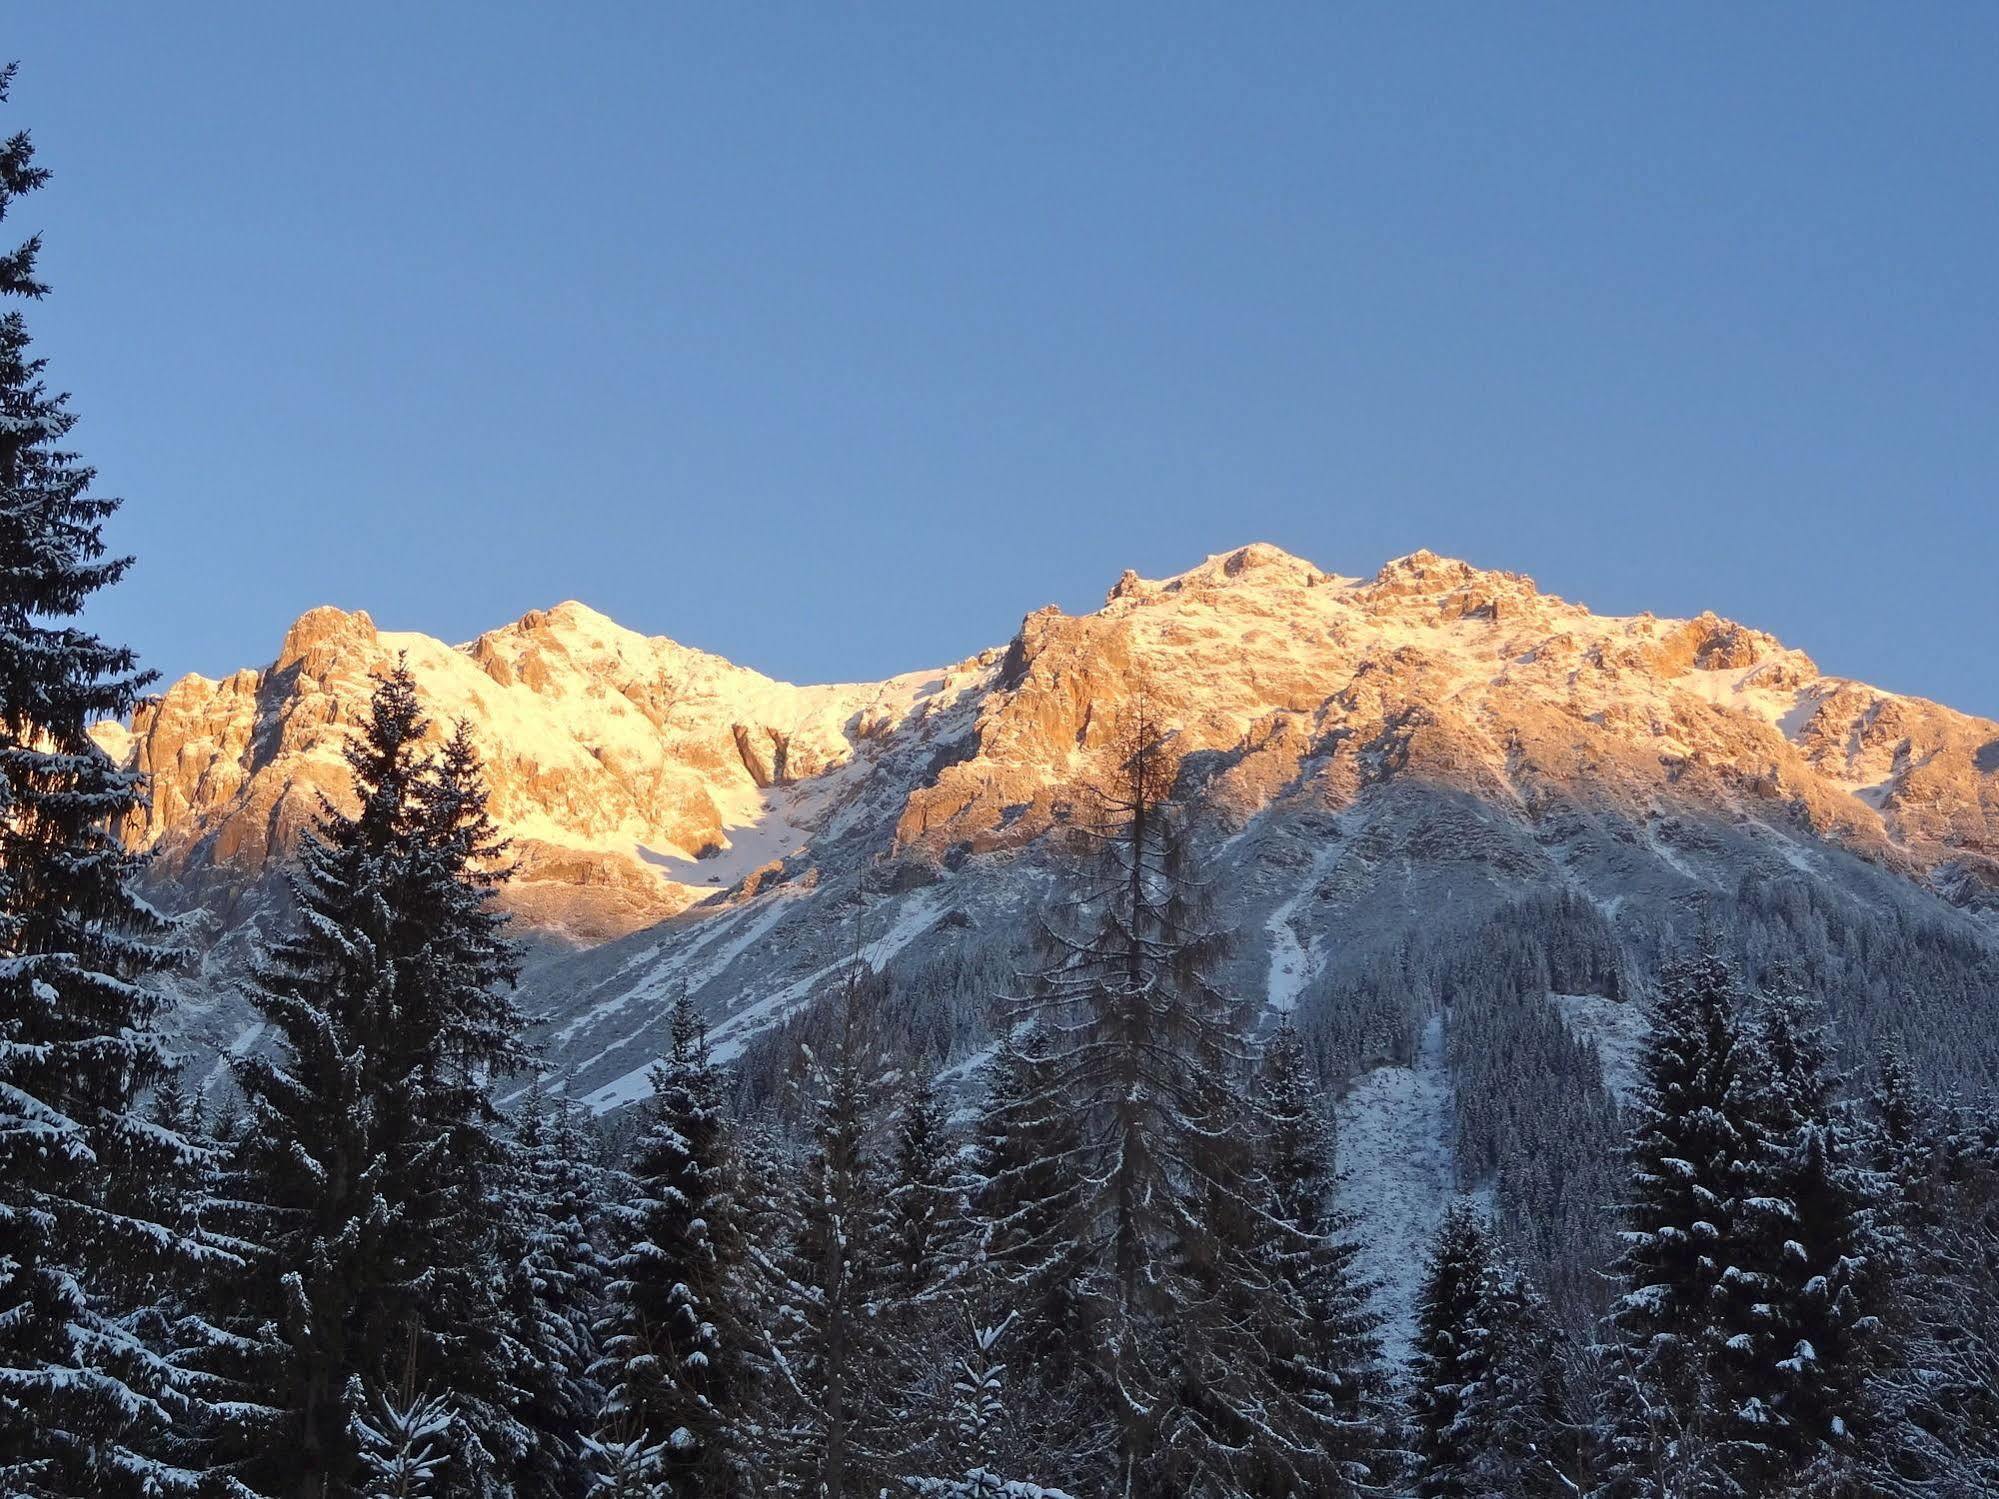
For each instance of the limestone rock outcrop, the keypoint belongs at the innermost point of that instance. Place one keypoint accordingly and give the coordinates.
(638, 777)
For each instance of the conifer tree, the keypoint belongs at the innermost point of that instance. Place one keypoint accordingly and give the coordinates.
(401, 1437)
(835, 1400)
(555, 1277)
(82, 1398)
(1490, 1415)
(673, 1347)
(1320, 1327)
(1513, 1412)
(1818, 1245)
(1903, 1138)
(921, 1218)
(1147, 1055)
(1027, 1196)
(980, 1430)
(1452, 1355)
(763, 1189)
(923, 1228)
(1692, 1398)
(1830, 1294)
(626, 1469)
(1935, 1382)
(372, 1162)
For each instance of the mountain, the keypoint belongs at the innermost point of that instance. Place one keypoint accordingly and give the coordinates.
(630, 773)
(1396, 778)
(635, 774)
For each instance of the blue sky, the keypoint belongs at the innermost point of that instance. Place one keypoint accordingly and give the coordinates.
(835, 338)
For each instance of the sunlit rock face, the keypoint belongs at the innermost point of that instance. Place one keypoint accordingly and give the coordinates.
(626, 770)
(638, 777)
(1287, 686)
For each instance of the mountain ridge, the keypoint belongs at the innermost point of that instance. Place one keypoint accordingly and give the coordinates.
(635, 774)
(1392, 783)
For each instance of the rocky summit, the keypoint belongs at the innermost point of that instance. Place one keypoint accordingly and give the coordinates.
(1434, 719)
(638, 778)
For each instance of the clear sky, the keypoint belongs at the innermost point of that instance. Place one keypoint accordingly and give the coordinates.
(835, 338)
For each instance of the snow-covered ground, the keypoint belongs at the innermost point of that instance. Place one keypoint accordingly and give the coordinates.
(1292, 963)
(1396, 1175)
(735, 1030)
(1619, 1030)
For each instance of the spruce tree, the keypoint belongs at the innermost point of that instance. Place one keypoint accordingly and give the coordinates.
(1513, 1411)
(921, 1218)
(1819, 1245)
(1027, 1193)
(1830, 1293)
(1027, 1197)
(83, 1400)
(1321, 1330)
(981, 1435)
(1902, 1133)
(401, 1439)
(1692, 1341)
(1452, 1355)
(372, 1165)
(834, 1411)
(1490, 1415)
(554, 1281)
(923, 1227)
(1146, 1054)
(673, 1350)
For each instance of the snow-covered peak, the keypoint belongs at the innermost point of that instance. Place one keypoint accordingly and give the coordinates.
(633, 774)
(322, 626)
(637, 774)
(1260, 564)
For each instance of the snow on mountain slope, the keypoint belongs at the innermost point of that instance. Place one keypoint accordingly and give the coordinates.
(1380, 768)
(1396, 1176)
(1370, 756)
(633, 775)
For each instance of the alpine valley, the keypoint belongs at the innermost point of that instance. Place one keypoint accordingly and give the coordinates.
(1452, 823)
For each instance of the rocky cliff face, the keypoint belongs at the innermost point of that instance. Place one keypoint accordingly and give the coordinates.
(633, 775)
(638, 777)
(1286, 684)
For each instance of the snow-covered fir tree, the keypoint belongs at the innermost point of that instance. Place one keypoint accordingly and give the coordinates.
(84, 1401)
(372, 1164)
(1902, 1129)
(1934, 1385)
(1524, 1441)
(1319, 1324)
(835, 1407)
(922, 1216)
(925, 1229)
(1451, 1355)
(401, 1436)
(979, 1431)
(1027, 1197)
(555, 1275)
(673, 1345)
(1692, 1343)
(1488, 1402)
(1147, 1056)
(1820, 1246)
(632, 1468)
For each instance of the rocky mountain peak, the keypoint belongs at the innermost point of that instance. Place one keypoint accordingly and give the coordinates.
(637, 775)
(1259, 564)
(325, 633)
